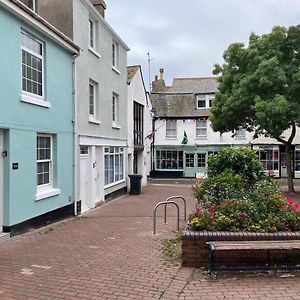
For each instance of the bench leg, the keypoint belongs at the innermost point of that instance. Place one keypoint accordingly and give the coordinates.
(213, 274)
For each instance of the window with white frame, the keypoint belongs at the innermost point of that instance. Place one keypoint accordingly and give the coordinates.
(297, 160)
(113, 164)
(44, 160)
(169, 159)
(115, 55)
(204, 101)
(91, 33)
(32, 65)
(201, 128)
(92, 99)
(269, 159)
(115, 109)
(171, 129)
(240, 133)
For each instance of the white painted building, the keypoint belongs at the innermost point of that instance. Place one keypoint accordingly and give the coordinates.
(101, 98)
(139, 124)
(184, 137)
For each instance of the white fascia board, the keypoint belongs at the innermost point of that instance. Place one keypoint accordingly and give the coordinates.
(89, 140)
(91, 7)
(21, 11)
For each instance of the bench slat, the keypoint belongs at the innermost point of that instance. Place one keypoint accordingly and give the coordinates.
(256, 245)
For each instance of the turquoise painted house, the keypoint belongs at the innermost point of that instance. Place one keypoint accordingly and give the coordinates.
(36, 120)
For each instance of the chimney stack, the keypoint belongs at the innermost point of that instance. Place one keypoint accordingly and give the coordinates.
(100, 6)
(158, 85)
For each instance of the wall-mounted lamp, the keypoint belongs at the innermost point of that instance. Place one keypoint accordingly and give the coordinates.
(4, 153)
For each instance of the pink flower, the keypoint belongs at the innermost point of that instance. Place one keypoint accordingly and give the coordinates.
(196, 211)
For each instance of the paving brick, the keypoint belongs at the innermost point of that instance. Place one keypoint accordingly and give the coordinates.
(110, 253)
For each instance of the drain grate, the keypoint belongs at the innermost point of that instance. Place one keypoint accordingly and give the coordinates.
(4, 236)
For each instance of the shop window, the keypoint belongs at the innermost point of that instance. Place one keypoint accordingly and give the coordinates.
(169, 159)
(201, 157)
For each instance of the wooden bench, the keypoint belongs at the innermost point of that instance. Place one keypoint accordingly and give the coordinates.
(243, 247)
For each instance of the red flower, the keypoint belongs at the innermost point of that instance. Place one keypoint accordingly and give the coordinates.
(212, 208)
(289, 200)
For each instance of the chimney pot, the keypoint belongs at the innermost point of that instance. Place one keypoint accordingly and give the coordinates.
(161, 74)
(156, 77)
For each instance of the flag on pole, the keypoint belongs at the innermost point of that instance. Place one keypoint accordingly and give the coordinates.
(185, 139)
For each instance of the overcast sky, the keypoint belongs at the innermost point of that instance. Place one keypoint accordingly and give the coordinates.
(188, 37)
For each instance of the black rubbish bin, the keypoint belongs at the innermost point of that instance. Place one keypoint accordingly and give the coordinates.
(135, 184)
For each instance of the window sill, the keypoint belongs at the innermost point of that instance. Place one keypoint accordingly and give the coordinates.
(171, 138)
(46, 193)
(35, 101)
(95, 52)
(201, 137)
(94, 121)
(114, 183)
(240, 138)
(115, 126)
(116, 70)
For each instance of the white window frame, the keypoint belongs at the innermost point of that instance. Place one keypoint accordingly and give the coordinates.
(171, 129)
(92, 40)
(201, 126)
(113, 169)
(27, 96)
(46, 190)
(207, 99)
(115, 110)
(115, 57)
(94, 115)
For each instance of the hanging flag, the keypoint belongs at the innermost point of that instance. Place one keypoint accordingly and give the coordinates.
(185, 138)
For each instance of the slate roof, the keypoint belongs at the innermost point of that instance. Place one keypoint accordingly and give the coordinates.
(179, 99)
(131, 71)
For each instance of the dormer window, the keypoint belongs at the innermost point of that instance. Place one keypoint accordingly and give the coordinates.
(204, 101)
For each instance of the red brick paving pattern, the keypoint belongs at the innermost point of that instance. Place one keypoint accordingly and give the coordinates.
(110, 253)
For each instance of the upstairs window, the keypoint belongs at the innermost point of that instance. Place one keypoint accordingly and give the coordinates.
(171, 129)
(91, 33)
(32, 65)
(201, 128)
(115, 109)
(115, 57)
(204, 101)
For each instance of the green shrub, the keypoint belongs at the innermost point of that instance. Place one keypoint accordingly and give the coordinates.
(242, 161)
(226, 185)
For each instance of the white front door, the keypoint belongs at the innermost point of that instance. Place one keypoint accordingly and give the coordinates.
(84, 182)
(1, 179)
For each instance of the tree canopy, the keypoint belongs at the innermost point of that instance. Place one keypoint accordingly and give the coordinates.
(259, 86)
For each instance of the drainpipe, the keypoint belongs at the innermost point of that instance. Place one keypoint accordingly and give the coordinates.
(75, 137)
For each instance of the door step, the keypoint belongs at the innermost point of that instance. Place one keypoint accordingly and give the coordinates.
(4, 236)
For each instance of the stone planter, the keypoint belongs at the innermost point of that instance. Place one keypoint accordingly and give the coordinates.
(195, 250)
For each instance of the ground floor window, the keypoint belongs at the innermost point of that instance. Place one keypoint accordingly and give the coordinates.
(169, 159)
(113, 164)
(189, 160)
(201, 157)
(269, 159)
(44, 160)
(297, 160)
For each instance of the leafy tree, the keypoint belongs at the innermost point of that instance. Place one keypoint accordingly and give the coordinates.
(260, 88)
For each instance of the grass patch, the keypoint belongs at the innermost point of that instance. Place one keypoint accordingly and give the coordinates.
(172, 250)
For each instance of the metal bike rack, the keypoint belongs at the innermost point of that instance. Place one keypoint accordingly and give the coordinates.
(184, 206)
(154, 213)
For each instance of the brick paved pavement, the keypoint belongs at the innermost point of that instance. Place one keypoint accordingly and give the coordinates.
(110, 253)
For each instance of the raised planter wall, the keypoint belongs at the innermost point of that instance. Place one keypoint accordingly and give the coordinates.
(195, 250)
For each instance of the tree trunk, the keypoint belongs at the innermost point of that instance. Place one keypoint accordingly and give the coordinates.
(289, 168)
